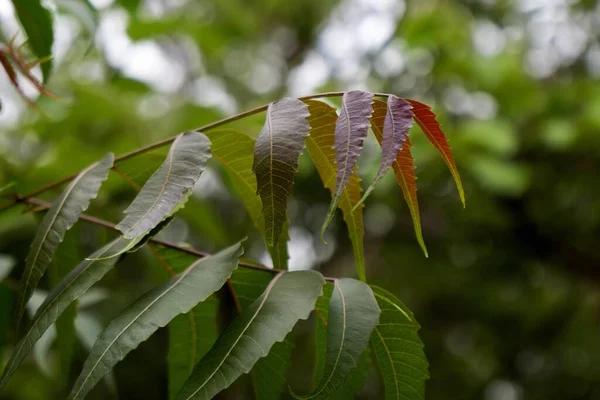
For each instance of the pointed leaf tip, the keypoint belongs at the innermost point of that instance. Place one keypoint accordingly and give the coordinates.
(155, 309)
(289, 297)
(63, 214)
(426, 119)
(398, 120)
(320, 144)
(276, 153)
(404, 170)
(350, 133)
(168, 188)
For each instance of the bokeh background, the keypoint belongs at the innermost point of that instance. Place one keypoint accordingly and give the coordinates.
(509, 298)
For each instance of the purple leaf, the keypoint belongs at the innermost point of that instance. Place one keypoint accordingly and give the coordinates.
(350, 132)
(398, 120)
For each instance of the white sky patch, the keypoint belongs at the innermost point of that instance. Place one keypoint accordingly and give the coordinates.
(144, 60)
(209, 91)
(312, 73)
(488, 38)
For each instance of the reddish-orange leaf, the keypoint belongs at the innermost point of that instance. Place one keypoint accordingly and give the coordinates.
(404, 170)
(432, 129)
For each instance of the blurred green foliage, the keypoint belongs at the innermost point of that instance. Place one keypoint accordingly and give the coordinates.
(509, 299)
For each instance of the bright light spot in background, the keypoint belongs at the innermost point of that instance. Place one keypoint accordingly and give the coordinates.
(503, 390)
(391, 61)
(208, 91)
(144, 61)
(489, 39)
(312, 73)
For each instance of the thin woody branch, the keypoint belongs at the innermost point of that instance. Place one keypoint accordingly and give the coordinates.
(21, 199)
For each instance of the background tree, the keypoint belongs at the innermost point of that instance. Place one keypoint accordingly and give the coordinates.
(508, 299)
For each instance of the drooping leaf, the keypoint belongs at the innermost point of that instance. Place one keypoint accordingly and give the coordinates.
(425, 118)
(288, 298)
(168, 187)
(276, 153)
(353, 313)
(321, 317)
(233, 150)
(137, 170)
(65, 211)
(350, 133)
(398, 120)
(320, 147)
(404, 170)
(153, 310)
(77, 282)
(398, 349)
(191, 335)
(355, 381)
(37, 23)
(66, 258)
(269, 374)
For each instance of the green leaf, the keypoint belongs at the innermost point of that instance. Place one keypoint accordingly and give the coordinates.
(320, 147)
(276, 153)
(191, 335)
(398, 120)
(66, 258)
(234, 151)
(350, 132)
(404, 170)
(321, 316)
(269, 374)
(37, 23)
(353, 313)
(398, 349)
(355, 380)
(77, 282)
(288, 298)
(168, 187)
(65, 211)
(153, 310)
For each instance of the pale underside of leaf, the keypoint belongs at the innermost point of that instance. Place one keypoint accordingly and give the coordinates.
(276, 153)
(288, 298)
(353, 314)
(398, 120)
(76, 283)
(426, 119)
(233, 150)
(398, 349)
(350, 133)
(320, 147)
(153, 310)
(168, 187)
(63, 214)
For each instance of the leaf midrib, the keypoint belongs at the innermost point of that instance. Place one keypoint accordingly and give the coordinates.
(267, 292)
(167, 290)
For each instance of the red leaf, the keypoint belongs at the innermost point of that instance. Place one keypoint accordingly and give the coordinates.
(432, 129)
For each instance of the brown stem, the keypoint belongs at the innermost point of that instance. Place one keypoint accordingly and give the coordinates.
(43, 205)
(19, 199)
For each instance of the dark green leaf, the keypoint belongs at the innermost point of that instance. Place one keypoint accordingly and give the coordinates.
(233, 150)
(288, 298)
(398, 349)
(153, 310)
(69, 289)
(37, 23)
(65, 211)
(191, 335)
(276, 153)
(353, 313)
(269, 374)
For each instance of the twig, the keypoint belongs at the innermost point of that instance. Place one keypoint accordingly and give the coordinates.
(43, 205)
(19, 199)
